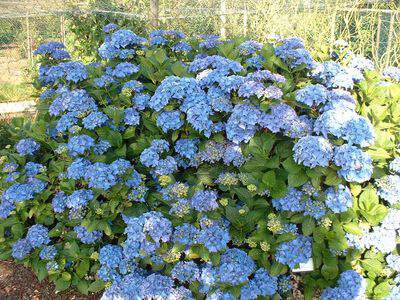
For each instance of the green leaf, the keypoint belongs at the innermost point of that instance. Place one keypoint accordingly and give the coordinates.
(297, 179)
(352, 228)
(330, 268)
(382, 290)
(96, 286)
(62, 284)
(277, 269)
(372, 265)
(368, 198)
(308, 226)
(269, 178)
(83, 268)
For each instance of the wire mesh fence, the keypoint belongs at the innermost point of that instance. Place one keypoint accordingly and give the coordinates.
(371, 31)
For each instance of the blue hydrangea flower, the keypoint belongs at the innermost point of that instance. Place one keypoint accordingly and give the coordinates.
(185, 234)
(281, 118)
(79, 199)
(166, 166)
(251, 88)
(340, 199)
(186, 271)
(214, 237)
(333, 122)
(394, 165)
(77, 168)
(18, 193)
(59, 202)
(249, 47)
(66, 122)
(262, 284)
(204, 200)
(74, 71)
(21, 248)
(359, 131)
(312, 95)
(351, 285)
(27, 147)
(110, 256)
(100, 176)
(181, 47)
(356, 165)
(75, 101)
(293, 201)
(235, 267)
(38, 235)
(141, 101)
(294, 54)
(393, 262)
(392, 73)
(313, 151)
(94, 120)
(109, 27)
(233, 155)
(242, 123)
(186, 148)
(255, 62)
(79, 144)
(169, 120)
(361, 63)
(101, 147)
(210, 41)
(389, 188)
(314, 208)
(294, 252)
(86, 236)
(124, 69)
(392, 219)
(48, 252)
(32, 168)
(145, 233)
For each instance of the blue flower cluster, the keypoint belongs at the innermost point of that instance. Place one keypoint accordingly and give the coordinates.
(356, 165)
(294, 252)
(339, 200)
(38, 235)
(27, 147)
(293, 52)
(86, 236)
(179, 167)
(351, 285)
(313, 151)
(389, 188)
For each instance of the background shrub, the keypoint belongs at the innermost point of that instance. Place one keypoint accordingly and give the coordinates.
(179, 167)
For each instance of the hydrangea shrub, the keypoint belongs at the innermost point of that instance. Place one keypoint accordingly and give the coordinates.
(192, 168)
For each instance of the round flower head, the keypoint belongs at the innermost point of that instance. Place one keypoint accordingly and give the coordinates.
(339, 200)
(27, 147)
(313, 151)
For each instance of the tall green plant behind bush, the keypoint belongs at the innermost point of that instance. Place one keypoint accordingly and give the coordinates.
(176, 168)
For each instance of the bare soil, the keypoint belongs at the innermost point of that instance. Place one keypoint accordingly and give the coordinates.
(20, 283)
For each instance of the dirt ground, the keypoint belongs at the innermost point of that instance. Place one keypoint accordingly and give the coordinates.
(19, 283)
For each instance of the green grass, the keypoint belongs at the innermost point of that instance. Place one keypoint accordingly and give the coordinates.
(13, 92)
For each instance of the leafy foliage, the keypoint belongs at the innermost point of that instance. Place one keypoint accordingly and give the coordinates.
(198, 161)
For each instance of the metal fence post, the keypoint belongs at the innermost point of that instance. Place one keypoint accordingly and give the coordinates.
(223, 18)
(154, 12)
(390, 38)
(245, 20)
(378, 37)
(333, 25)
(62, 28)
(28, 38)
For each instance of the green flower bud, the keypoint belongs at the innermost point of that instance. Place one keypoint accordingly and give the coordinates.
(265, 246)
(252, 188)
(224, 201)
